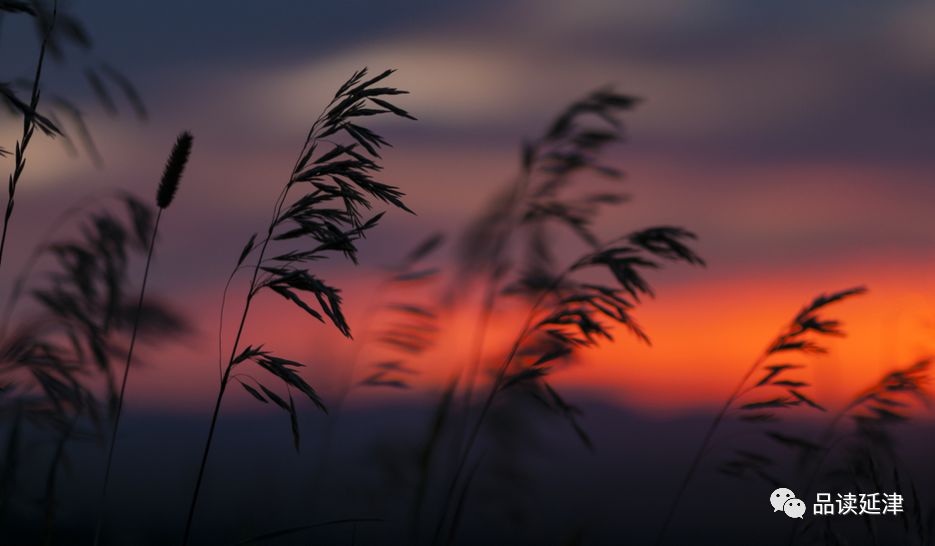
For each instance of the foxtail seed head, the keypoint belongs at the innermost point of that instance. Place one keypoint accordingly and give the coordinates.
(174, 168)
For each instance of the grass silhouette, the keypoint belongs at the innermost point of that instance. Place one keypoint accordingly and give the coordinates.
(404, 329)
(55, 358)
(72, 320)
(566, 314)
(34, 349)
(799, 336)
(57, 30)
(64, 38)
(168, 186)
(328, 219)
(868, 456)
(31, 121)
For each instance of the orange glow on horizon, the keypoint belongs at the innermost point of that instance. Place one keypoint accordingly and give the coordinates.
(705, 333)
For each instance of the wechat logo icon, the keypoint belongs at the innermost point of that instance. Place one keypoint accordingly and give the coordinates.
(783, 500)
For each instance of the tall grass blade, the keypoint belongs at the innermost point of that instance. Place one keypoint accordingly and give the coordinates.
(167, 188)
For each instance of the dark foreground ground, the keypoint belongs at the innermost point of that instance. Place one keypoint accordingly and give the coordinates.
(546, 488)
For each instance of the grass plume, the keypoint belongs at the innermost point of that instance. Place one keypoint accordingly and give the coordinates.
(53, 362)
(328, 218)
(799, 336)
(868, 457)
(567, 316)
(175, 166)
(567, 313)
(403, 328)
(30, 122)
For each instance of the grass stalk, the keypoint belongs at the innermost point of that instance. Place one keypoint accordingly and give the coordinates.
(52, 480)
(11, 460)
(882, 397)
(517, 200)
(705, 443)
(99, 526)
(225, 379)
(485, 409)
(28, 130)
(623, 258)
(345, 384)
(167, 188)
(339, 175)
(793, 338)
(477, 350)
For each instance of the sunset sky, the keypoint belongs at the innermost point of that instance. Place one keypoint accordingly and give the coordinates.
(795, 138)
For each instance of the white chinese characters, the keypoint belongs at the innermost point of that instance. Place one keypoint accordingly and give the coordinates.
(860, 504)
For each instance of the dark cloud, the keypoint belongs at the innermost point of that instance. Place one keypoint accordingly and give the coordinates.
(146, 34)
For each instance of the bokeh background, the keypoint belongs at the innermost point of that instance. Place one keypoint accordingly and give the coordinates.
(793, 137)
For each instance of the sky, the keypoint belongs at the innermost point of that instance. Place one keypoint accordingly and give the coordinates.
(793, 137)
